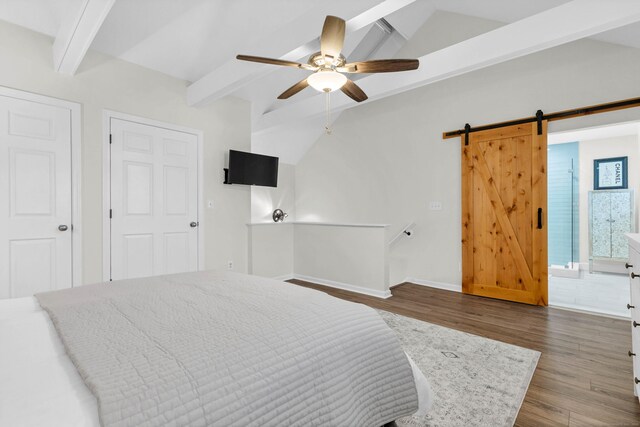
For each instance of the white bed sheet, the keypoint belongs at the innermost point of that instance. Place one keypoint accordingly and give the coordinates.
(39, 385)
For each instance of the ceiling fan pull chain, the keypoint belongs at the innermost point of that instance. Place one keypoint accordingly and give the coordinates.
(327, 129)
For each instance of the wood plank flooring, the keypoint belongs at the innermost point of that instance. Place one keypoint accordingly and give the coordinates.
(584, 376)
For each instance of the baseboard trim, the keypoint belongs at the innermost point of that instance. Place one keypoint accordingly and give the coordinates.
(576, 309)
(284, 277)
(343, 286)
(432, 284)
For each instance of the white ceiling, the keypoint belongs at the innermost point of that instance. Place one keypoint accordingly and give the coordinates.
(598, 132)
(191, 39)
(43, 16)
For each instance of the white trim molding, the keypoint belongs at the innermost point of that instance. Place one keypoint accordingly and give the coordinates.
(576, 309)
(370, 292)
(433, 284)
(343, 286)
(107, 115)
(76, 170)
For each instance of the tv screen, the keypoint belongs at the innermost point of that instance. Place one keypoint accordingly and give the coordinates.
(252, 169)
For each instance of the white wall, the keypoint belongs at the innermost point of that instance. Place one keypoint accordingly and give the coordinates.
(601, 149)
(351, 256)
(264, 200)
(347, 256)
(103, 82)
(386, 160)
(271, 251)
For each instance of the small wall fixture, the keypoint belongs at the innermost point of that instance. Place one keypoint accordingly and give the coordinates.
(278, 215)
(406, 231)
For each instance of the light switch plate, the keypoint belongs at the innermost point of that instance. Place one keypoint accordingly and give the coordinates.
(210, 204)
(435, 206)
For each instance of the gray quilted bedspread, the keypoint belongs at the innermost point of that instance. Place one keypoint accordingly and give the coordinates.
(227, 349)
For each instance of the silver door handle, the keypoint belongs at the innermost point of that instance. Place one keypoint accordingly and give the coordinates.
(63, 227)
(193, 224)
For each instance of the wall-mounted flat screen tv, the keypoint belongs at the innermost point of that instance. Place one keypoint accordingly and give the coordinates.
(252, 169)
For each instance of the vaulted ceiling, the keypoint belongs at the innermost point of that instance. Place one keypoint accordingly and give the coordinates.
(197, 40)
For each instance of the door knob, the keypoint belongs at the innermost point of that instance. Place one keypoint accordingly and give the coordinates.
(635, 324)
(631, 354)
(629, 306)
(627, 265)
(193, 224)
(633, 275)
(63, 227)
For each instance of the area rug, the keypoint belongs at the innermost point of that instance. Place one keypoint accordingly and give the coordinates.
(475, 381)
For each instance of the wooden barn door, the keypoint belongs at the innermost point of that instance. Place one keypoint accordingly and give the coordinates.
(504, 213)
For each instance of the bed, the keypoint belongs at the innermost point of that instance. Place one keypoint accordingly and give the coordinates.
(205, 348)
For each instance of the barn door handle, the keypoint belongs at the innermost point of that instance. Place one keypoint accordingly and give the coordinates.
(539, 218)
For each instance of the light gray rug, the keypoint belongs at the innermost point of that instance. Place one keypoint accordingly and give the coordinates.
(476, 381)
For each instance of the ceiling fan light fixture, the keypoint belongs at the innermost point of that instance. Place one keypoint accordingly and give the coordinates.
(326, 80)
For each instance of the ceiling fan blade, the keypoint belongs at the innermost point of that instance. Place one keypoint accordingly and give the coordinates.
(380, 66)
(353, 91)
(273, 61)
(332, 37)
(302, 84)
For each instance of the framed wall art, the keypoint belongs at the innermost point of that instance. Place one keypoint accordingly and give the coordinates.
(610, 174)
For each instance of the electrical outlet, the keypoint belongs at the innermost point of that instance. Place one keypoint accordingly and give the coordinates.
(435, 206)
(229, 265)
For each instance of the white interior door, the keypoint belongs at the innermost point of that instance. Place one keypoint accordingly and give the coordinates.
(154, 200)
(35, 198)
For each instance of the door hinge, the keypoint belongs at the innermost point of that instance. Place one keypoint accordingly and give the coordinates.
(110, 139)
(110, 213)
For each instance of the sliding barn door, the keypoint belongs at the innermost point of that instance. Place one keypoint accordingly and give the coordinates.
(504, 203)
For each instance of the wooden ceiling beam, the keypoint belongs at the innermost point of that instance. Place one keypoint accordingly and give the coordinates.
(77, 33)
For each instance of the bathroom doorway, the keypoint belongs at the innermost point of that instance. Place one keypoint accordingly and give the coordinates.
(592, 179)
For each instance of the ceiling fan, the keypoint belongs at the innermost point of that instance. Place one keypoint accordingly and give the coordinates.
(329, 64)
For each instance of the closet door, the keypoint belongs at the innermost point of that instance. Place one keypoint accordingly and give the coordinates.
(154, 200)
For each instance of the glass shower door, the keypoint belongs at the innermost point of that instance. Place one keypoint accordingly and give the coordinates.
(563, 202)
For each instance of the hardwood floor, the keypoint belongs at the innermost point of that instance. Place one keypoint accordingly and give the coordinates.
(584, 376)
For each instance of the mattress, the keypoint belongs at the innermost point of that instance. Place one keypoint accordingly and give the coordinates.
(41, 386)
